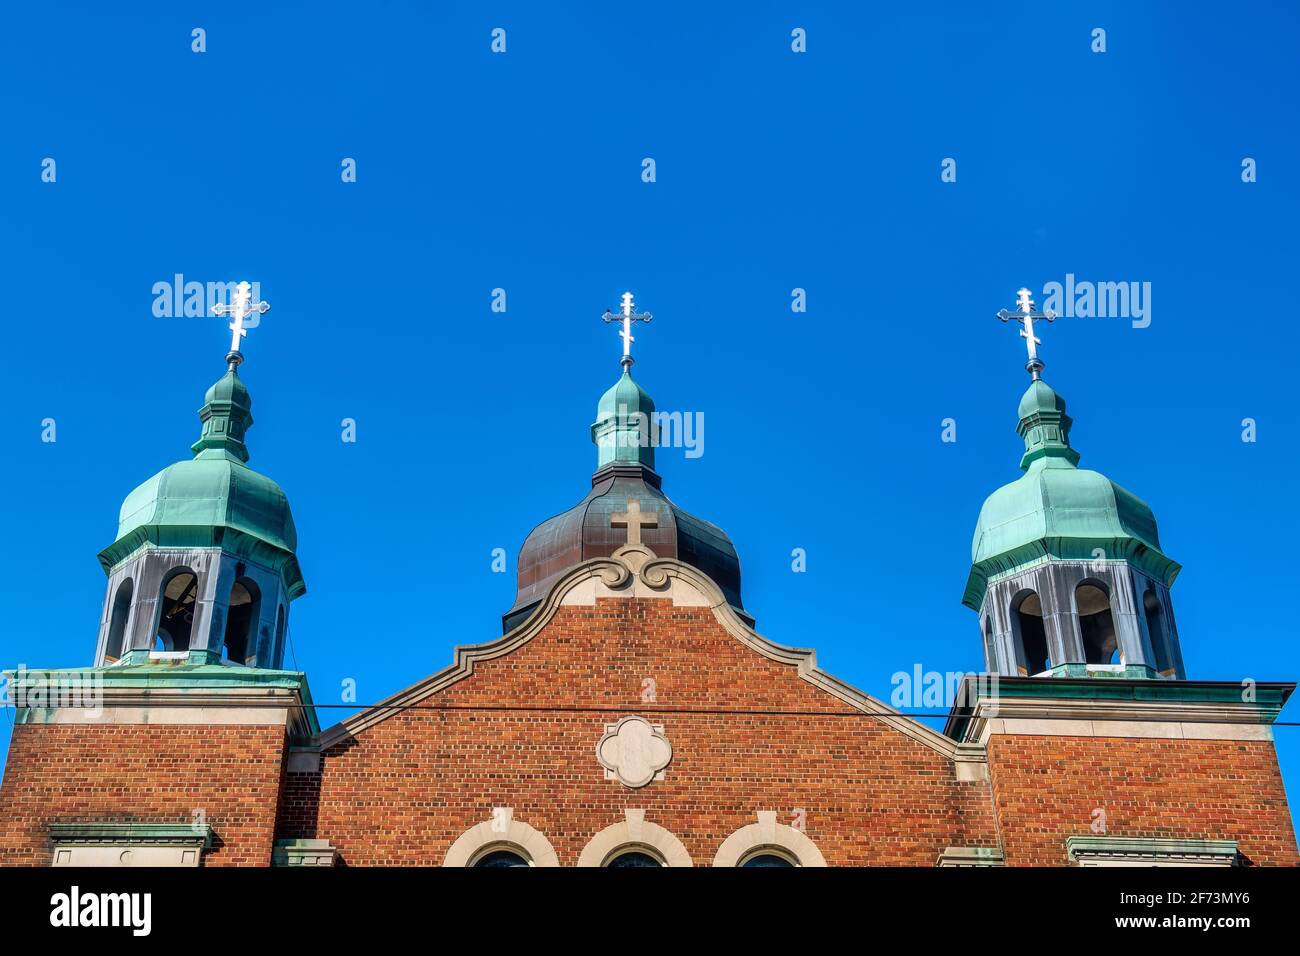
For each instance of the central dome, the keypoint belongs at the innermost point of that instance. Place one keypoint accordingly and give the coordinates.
(625, 472)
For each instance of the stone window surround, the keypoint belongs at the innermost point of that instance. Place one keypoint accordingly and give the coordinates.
(767, 834)
(111, 844)
(635, 833)
(489, 836)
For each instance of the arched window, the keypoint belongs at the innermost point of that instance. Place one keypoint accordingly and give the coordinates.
(241, 621)
(770, 859)
(117, 620)
(176, 615)
(635, 842)
(633, 857)
(1030, 634)
(500, 842)
(1096, 624)
(1155, 615)
(768, 844)
(990, 658)
(277, 655)
(500, 859)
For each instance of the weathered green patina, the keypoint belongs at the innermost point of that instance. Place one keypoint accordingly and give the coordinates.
(1059, 510)
(624, 417)
(126, 832)
(214, 499)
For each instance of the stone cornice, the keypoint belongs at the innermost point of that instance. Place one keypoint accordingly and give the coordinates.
(634, 570)
(1099, 716)
(118, 833)
(1032, 702)
(1133, 851)
(164, 692)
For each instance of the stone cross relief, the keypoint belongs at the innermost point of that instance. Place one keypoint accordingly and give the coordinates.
(634, 519)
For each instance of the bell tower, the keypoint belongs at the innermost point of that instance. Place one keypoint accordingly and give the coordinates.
(203, 566)
(1067, 574)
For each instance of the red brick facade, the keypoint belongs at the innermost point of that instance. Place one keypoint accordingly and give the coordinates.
(228, 776)
(748, 733)
(1049, 787)
(402, 791)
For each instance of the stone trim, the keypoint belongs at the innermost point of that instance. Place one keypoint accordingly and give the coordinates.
(503, 832)
(1100, 717)
(1150, 851)
(768, 833)
(176, 691)
(653, 577)
(303, 853)
(635, 832)
(128, 844)
(971, 856)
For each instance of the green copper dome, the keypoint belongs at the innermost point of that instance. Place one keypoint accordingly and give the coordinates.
(1059, 510)
(214, 499)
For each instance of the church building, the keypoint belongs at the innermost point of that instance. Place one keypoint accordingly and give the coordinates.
(628, 713)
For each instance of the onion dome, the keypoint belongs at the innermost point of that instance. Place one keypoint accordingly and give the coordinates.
(1057, 509)
(624, 437)
(214, 499)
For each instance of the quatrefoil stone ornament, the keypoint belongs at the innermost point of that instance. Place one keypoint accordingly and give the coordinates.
(634, 752)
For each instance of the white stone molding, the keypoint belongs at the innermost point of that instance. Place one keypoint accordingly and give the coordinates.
(971, 856)
(250, 705)
(1150, 851)
(634, 752)
(657, 578)
(303, 853)
(1110, 717)
(502, 832)
(129, 844)
(635, 833)
(764, 835)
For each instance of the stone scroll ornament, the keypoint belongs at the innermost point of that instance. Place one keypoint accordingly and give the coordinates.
(634, 752)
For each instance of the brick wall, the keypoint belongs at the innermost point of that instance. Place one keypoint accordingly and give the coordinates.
(1048, 787)
(521, 732)
(154, 773)
(748, 735)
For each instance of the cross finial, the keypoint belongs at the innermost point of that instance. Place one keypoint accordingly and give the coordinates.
(627, 314)
(633, 519)
(1025, 314)
(241, 307)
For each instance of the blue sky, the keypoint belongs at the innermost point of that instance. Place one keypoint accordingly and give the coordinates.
(775, 171)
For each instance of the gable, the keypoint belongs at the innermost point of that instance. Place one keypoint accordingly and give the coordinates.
(636, 633)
